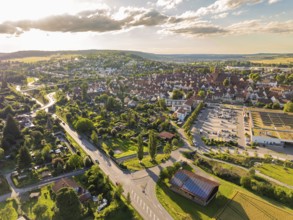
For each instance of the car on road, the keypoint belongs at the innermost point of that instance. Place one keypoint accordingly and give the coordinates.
(97, 162)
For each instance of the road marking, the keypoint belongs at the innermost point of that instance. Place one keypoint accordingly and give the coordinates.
(140, 202)
(147, 209)
(143, 206)
(151, 213)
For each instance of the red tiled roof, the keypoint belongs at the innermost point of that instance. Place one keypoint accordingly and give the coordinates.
(64, 182)
(166, 135)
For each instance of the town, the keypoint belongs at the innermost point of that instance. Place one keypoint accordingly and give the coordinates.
(122, 136)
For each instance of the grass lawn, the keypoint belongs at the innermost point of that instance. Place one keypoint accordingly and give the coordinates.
(181, 208)
(75, 145)
(277, 172)
(119, 144)
(44, 198)
(4, 187)
(243, 206)
(133, 164)
(30, 79)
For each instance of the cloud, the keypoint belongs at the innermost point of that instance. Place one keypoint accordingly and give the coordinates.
(168, 4)
(222, 15)
(204, 28)
(195, 28)
(273, 1)
(90, 20)
(221, 6)
(257, 26)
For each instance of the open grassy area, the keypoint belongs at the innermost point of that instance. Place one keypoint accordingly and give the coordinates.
(45, 199)
(180, 207)
(243, 206)
(119, 144)
(13, 204)
(277, 172)
(133, 164)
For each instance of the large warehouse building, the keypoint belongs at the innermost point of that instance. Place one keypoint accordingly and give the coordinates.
(270, 127)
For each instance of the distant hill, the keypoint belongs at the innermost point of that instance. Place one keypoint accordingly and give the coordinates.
(150, 56)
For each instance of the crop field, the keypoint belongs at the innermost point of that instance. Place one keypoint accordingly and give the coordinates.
(273, 123)
(274, 60)
(44, 58)
(243, 206)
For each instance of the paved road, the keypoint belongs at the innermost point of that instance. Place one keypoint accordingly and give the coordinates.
(202, 149)
(15, 192)
(145, 203)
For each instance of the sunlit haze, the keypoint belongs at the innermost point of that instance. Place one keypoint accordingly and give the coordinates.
(158, 26)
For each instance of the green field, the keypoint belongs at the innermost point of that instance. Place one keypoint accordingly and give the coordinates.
(181, 208)
(243, 206)
(133, 164)
(44, 58)
(277, 172)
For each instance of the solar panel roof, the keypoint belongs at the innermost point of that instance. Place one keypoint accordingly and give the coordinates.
(193, 183)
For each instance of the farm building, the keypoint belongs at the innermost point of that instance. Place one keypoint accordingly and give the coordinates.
(271, 127)
(194, 187)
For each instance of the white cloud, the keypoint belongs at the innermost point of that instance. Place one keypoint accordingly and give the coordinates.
(221, 6)
(257, 26)
(222, 15)
(168, 4)
(273, 1)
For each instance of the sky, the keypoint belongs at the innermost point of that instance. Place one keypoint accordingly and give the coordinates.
(156, 26)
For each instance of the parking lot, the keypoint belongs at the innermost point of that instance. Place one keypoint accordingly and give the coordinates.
(220, 123)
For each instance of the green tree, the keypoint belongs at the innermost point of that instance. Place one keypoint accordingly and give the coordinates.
(24, 158)
(8, 110)
(280, 78)
(139, 148)
(288, 107)
(189, 94)
(11, 129)
(167, 148)
(8, 212)
(162, 104)
(177, 94)
(128, 199)
(94, 137)
(175, 142)
(1, 153)
(84, 88)
(245, 181)
(75, 161)
(46, 153)
(226, 82)
(201, 93)
(84, 125)
(276, 105)
(254, 76)
(68, 204)
(152, 146)
(40, 210)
